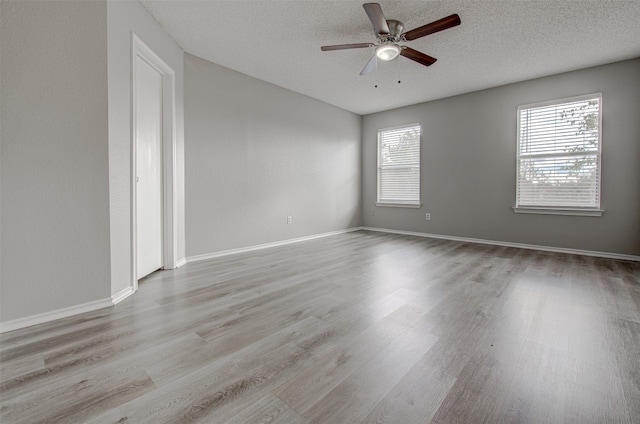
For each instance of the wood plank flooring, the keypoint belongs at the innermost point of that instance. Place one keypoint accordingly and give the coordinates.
(361, 327)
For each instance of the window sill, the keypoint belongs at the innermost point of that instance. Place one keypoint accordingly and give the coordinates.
(559, 211)
(400, 205)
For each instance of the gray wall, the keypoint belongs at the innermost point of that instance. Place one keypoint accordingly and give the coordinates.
(257, 153)
(124, 18)
(468, 164)
(54, 135)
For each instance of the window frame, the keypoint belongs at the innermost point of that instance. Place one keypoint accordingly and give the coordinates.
(389, 202)
(560, 210)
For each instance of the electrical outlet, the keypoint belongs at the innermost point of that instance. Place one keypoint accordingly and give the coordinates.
(289, 220)
(428, 216)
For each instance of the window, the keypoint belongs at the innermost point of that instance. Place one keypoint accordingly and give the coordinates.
(399, 166)
(559, 148)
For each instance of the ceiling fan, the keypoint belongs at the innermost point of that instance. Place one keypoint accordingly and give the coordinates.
(389, 33)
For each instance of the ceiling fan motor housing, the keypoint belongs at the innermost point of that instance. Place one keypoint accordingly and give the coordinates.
(395, 31)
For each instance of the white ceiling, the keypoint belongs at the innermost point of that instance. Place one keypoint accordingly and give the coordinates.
(498, 42)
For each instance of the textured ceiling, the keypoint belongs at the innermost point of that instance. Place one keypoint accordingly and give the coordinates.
(498, 42)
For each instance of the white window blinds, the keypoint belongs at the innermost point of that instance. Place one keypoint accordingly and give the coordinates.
(559, 147)
(399, 166)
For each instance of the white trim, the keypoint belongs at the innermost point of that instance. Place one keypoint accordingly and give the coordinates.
(558, 211)
(122, 295)
(24, 322)
(169, 194)
(562, 100)
(400, 205)
(206, 256)
(29, 321)
(399, 127)
(599, 152)
(181, 262)
(608, 255)
(414, 203)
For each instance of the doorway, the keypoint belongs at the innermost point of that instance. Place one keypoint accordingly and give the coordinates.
(148, 125)
(153, 207)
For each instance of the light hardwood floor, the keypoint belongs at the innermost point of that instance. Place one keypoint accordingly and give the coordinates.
(361, 327)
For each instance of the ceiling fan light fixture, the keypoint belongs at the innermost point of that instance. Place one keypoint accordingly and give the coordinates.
(387, 51)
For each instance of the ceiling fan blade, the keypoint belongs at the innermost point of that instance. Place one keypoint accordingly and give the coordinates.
(439, 25)
(374, 11)
(417, 56)
(370, 66)
(346, 46)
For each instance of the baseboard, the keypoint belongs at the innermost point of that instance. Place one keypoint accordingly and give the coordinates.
(266, 245)
(29, 321)
(18, 323)
(122, 295)
(509, 244)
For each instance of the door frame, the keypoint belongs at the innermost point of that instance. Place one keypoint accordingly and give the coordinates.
(169, 197)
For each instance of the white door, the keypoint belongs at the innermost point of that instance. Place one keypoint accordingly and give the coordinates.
(148, 113)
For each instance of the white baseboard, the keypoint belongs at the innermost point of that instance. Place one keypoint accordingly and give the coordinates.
(266, 245)
(18, 323)
(122, 295)
(509, 244)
